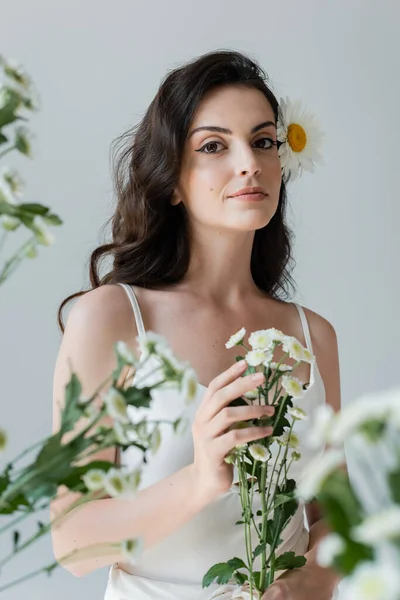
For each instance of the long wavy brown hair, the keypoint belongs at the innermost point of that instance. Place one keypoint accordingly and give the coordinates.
(150, 245)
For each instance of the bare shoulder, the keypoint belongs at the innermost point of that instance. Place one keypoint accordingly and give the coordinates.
(106, 311)
(322, 331)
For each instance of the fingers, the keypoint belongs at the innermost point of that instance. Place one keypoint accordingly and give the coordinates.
(223, 395)
(235, 437)
(231, 415)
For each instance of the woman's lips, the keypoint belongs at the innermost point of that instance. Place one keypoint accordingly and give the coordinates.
(250, 197)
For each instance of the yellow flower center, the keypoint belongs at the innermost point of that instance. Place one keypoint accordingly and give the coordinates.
(297, 137)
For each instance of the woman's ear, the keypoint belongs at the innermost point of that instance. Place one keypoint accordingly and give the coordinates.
(176, 198)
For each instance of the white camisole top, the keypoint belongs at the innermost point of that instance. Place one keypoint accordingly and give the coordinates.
(173, 568)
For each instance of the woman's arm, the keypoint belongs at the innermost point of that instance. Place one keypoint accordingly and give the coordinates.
(96, 322)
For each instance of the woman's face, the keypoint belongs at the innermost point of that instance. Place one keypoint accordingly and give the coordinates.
(217, 164)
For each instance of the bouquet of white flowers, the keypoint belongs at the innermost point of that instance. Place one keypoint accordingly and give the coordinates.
(362, 508)
(63, 459)
(264, 467)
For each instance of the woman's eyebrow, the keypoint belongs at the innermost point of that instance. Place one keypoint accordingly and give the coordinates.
(217, 129)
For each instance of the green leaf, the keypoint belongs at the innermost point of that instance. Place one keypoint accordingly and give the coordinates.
(72, 410)
(394, 484)
(223, 572)
(3, 139)
(259, 549)
(33, 208)
(289, 560)
(141, 398)
(340, 505)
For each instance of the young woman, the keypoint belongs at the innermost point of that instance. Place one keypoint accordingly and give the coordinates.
(200, 248)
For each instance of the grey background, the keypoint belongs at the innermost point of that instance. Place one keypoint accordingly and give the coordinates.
(97, 66)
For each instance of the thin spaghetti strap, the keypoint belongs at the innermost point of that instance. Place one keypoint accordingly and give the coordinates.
(306, 328)
(136, 309)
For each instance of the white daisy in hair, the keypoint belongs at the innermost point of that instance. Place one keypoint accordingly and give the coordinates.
(236, 338)
(300, 138)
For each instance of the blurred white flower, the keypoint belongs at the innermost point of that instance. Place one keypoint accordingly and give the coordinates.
(94, 479)
(116, 405)
(328, 548)
(150, 341)
(297, 413)
(323, 419)
(116, 484)
(125, 352)
(293, 386)
(372, 581)
(308, 357)
(132, 549)
(316, 471)
(43, 235)
(252, 394)
(6, 194)
(9, 223)
(189, 385)
(155, 439)
(236, 338)
(379, 527)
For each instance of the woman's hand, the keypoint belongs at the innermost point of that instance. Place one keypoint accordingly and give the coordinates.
(212, 430)
(308, 582)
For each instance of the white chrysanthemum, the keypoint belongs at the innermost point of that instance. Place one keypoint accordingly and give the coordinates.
(328, 548)
(116, 405)
(282, 367)
(3, 440)
(43, 235)
(116, 483)
(9, 223)
(260, 340)
(301, 138)
(189, 385)
(316, 472)
(372, 581)
(149, 372)
(94, 479)
(293, 386)
(236, 338)
(6, 194)
(289, 439)
(276, 335)
(293, 347)
(297, 413)
(120, 433)
(254, 358)
(133, 480)
(379, 527)
(12, 178)
(269, 358)
(308, 357)
(259, 452)
(125, 353)
(132, 549)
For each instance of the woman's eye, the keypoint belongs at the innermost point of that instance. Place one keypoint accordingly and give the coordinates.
(210, 145)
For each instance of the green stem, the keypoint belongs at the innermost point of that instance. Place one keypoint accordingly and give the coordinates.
(7, 150)
(14, 261)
